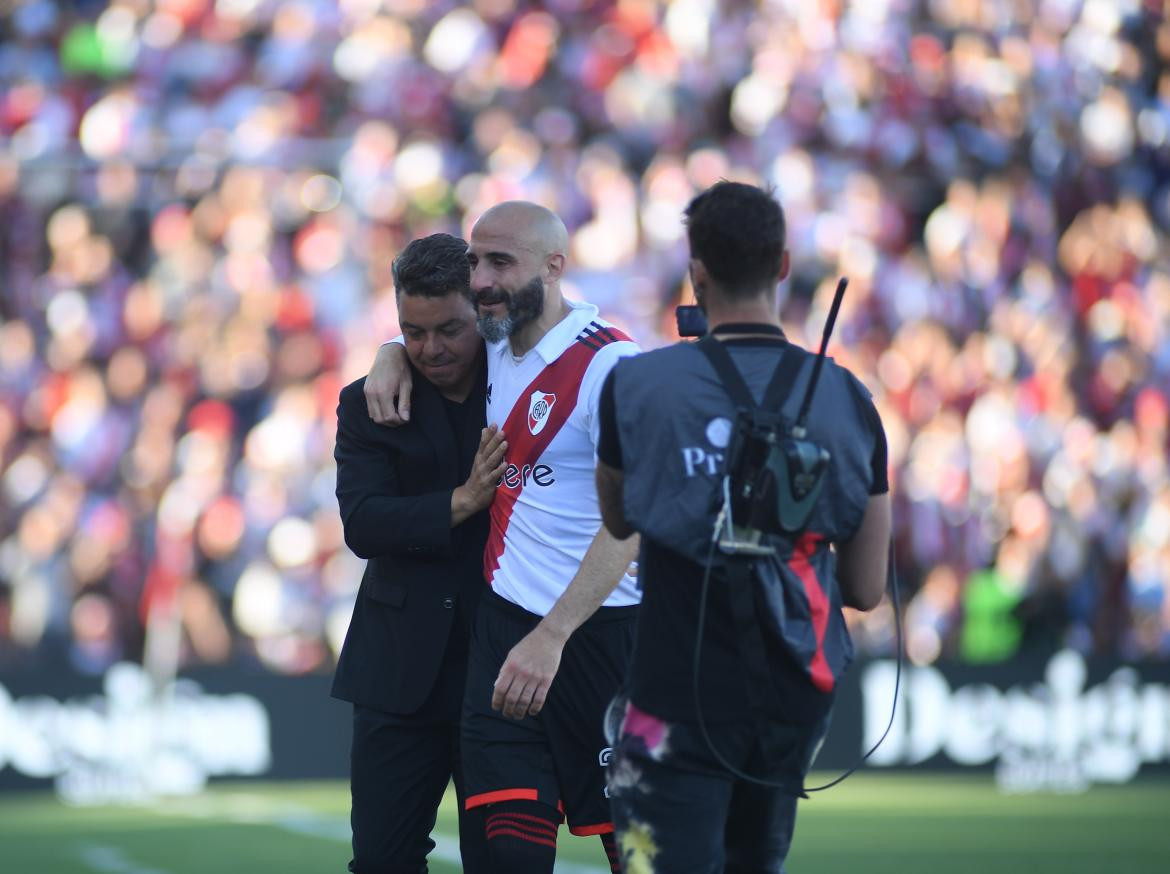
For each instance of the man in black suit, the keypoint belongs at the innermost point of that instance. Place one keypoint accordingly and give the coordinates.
(412, 501)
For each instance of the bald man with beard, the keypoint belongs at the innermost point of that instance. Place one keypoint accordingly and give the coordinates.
(555, 629)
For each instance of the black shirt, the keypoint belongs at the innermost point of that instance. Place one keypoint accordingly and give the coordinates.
(661, 672)
(457, 414)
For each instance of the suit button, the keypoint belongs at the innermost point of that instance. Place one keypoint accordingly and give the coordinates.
(448, 603)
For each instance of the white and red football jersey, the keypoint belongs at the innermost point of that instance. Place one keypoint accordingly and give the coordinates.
(545, 513)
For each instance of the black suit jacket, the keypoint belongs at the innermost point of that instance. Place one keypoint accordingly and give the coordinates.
(394, 488)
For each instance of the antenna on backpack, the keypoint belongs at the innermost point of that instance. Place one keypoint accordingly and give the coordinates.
(798, 429)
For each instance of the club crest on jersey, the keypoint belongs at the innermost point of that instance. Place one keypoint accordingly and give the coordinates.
(539, 407)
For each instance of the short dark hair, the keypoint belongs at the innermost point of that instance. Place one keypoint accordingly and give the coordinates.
(432, 266)
(738, 232)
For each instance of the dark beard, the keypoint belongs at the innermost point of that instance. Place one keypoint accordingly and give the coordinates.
(525, 306)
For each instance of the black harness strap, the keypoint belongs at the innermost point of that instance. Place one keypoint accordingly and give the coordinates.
(787, 369)
(739, 570)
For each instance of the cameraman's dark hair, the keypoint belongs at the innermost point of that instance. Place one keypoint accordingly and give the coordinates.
(432, 267)
(738, 232)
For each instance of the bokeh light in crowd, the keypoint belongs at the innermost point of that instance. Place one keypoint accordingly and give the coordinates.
(202, 199)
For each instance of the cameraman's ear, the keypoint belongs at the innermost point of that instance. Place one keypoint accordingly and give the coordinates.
(698, 273)
(784, 265)
(699, 276)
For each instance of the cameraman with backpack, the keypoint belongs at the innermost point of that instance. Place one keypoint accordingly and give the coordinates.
(741, 639)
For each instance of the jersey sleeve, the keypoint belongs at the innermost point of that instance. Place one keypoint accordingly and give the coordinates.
(589, 400)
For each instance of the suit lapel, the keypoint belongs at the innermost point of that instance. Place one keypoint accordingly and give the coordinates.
(477, 419)
(428, 412)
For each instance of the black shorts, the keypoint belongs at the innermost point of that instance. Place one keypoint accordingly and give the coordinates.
(558, 757)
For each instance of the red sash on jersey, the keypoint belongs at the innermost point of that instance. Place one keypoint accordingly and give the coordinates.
(562, 378)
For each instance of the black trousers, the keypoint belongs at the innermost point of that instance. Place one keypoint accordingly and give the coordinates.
(678, 821)
(399, 770)
(677, 811)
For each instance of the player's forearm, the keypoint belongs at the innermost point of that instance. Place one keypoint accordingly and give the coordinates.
(603, 567)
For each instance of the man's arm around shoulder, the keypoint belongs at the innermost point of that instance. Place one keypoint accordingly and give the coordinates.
(387, 387)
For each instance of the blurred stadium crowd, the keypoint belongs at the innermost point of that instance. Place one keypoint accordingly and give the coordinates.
(200, 202)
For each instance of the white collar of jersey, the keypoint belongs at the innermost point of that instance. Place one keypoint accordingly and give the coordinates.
(561, 335)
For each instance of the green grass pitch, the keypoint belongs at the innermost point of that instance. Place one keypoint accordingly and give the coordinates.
(872, 824)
